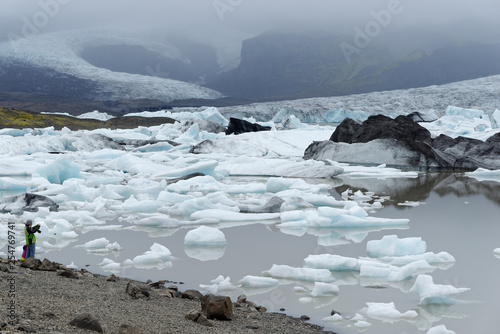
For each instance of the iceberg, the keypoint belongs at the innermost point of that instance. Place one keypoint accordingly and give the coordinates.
(59, 171)
(322, 289)
(391, 245)
(441, 329)
(158, 256)
(465, 113)
(218, 285)
(257, 282)
(300, 274)
(431, 293)
(206, 236)
(387, 312)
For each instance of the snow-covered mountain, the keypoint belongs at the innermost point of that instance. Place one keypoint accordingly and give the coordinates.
(41, 59)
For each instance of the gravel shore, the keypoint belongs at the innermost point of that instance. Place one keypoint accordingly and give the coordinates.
(45, 301)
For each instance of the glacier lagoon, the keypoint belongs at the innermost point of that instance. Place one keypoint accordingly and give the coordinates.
(453, 219)
(118, 214)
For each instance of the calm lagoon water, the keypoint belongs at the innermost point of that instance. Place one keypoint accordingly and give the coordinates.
(458, 215)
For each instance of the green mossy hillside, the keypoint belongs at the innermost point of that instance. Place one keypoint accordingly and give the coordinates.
(18, 119)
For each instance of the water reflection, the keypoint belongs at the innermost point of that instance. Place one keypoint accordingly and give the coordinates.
(420, 188)
(207, 253)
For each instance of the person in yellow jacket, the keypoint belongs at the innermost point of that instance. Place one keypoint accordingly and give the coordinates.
(29, 232)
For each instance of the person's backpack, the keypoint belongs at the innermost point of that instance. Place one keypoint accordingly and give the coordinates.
(23, 257)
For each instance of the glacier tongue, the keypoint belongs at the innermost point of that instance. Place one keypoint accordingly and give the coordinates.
(59, 53)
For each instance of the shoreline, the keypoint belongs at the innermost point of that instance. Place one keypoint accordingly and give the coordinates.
(46, 299)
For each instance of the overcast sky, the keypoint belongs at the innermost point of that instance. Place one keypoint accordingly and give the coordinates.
(480, 17)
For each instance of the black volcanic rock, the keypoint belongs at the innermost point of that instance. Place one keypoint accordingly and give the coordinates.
(239, 126)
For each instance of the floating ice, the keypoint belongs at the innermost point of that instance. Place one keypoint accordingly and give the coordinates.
(381, 172)
(110, 265)
(220, 284)
(8, 183)
(251, 166)
(333, 262)
(13, 132)
(208, 184)
(101, 245)
(189, 206)
(362, 324)
(410, 203)
(351, 216)
(388, 262)
(292, 122)
(158, 256)
(333, 318)
(101, 116)
(387, 312)
(495, 119)
(431, 293)
(300, 274)
(482, 174)
(72, 266)
(230, 216)
(324, 289)
(391, 245)
(275, 185)
(97, 243)
(158, 147)
(496, 251)
(209, 114)
(391, 273)
(441, 329)
(466, 113)
(258, 282)
(205, 236)
(60, 170)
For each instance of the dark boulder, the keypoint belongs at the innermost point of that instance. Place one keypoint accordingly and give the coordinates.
(47, 265)
(86, 321)
(136, 291)
(68, 274)
(128, 329)
(217, 307)
(191, 294)
(238, 126)
(31, 263)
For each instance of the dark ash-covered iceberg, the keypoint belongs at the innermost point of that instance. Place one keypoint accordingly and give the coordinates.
(26, 202)
(402, 142)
